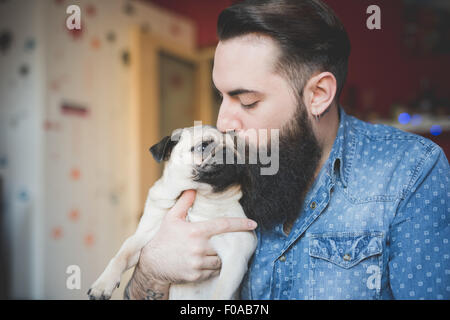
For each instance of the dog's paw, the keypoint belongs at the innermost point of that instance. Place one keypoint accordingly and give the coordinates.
(102, 289)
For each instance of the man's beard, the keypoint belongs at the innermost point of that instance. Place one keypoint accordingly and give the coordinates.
(278, 198)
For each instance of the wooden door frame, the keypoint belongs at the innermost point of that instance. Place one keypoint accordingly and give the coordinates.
(145, 108)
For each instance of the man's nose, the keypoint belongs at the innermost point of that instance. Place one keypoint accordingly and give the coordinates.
(228, 120)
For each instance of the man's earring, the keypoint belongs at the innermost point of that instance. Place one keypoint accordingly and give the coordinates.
(317, 116)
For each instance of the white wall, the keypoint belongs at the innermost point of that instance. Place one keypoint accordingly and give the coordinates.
(42, 145)
(22, 143)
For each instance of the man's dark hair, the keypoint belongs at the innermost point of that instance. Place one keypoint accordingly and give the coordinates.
(310, 35)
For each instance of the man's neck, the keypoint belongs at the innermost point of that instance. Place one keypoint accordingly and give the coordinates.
(326, 130)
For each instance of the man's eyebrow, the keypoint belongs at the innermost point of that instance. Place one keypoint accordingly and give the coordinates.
(237, 92)
(240, 91)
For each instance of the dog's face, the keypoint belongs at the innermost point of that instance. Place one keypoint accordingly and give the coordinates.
(199, 157)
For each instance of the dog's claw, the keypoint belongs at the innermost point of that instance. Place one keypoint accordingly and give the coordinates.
(96, 294)
(104, 286)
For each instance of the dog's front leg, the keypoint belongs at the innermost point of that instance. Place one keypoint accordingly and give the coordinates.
(232, 272)
(127, 257)
(235, 253)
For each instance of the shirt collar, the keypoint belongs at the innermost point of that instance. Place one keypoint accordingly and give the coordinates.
(336, 165)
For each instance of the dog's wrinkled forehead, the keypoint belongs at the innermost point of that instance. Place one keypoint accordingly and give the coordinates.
(196, 134)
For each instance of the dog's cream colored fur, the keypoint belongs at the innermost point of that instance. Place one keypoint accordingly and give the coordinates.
(234, 249)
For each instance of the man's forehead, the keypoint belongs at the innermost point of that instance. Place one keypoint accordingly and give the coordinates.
(244, 59)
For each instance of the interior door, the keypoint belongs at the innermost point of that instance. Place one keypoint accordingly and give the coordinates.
(171, 88)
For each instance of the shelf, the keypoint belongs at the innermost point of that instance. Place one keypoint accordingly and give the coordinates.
(422, 128)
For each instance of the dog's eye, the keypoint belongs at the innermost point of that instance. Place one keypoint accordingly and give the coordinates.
(203, 146)
(200, 148)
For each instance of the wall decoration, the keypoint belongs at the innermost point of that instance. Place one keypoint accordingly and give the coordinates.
(111, 36)
(57, 233)
(91, 10)
(114, 198)
(3, 162)
(56, 83)
(89, 240)
(74, 215)
(75, 174)
(74, 109)
(23, 196)
(95, 43)
(6, 39)
(128, 9)
(51, 125)
(125, 57)
(24, 70)
(30, 44)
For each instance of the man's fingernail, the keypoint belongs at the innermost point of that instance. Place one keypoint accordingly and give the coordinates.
(252, 224)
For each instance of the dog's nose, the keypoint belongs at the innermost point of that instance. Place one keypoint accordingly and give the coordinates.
(232, 132)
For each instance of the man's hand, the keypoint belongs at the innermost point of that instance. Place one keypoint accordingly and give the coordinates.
(180, 251)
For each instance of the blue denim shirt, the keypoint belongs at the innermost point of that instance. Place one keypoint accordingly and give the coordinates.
(375, 224)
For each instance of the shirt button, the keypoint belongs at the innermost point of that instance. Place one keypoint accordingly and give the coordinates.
(313, 205)
(347, 257)
(283, 258)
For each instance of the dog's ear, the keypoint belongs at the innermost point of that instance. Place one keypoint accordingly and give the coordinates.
(161, 151)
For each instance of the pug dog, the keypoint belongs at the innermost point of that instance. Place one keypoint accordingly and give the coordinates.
(204, 159)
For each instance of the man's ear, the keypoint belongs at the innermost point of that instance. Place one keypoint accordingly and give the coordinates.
(320, 92)
(161, 151)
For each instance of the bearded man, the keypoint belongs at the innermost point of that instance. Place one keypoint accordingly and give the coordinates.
(355, 211)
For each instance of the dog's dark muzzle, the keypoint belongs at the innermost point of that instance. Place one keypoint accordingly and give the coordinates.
(220, 170)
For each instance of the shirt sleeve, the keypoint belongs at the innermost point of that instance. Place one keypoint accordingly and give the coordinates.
(419, 264)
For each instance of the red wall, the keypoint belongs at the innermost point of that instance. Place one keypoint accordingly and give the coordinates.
(377, 61)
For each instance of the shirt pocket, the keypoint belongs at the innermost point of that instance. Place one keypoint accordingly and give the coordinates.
(345, 265)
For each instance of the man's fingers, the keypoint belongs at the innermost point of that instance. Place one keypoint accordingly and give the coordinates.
(181, 207)
(211, 263)
(206, 274)
(210, 251)
(223, 225)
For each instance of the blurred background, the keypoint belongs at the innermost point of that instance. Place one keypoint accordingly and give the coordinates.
(80, 108)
